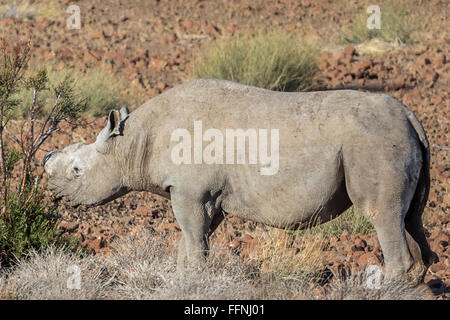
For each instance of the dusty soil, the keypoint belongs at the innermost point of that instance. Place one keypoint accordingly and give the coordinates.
(151, 44)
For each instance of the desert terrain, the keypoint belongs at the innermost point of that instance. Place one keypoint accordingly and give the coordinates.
(149, 47)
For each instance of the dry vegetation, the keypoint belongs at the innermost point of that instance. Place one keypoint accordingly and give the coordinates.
(141, 266)
(102, 90)
(275, 60)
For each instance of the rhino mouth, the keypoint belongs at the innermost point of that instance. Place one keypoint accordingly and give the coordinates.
(59, 193)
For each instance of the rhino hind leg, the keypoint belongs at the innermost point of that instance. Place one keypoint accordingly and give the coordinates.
(382, 188)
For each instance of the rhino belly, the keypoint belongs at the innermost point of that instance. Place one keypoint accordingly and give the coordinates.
(309, 188)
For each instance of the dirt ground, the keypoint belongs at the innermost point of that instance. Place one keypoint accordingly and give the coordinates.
(151, 44)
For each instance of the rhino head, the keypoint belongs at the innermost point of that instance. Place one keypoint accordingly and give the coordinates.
(89, 173)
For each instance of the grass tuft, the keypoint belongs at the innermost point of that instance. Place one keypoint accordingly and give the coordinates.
(351, 220)
(274, 60)
(397, 25)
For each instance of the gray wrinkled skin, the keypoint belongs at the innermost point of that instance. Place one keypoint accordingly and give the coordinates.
(337, 148)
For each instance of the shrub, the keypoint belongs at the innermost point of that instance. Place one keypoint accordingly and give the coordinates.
(103, 92)
(25, 223)
(274, 60)
(396, 25)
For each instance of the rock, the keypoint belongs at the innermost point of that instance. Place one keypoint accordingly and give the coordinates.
(423, 61)
(440, 59)
(97, 34)
(360, 243)
(349, 51)
(69, 226)
(161, 85)
(436, 267)
(235, 244)
(97, 244)
(368, 258)
(157, 63)
(435, 284)
(212, 30)
(172, 37)
(344, 236)
(189, 26)
(437, 100)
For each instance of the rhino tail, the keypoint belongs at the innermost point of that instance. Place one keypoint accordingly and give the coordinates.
(413, 218)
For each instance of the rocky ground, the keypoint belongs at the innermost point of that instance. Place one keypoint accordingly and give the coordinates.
(151, 44)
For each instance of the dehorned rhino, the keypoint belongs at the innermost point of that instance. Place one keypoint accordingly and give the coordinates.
(287, 160)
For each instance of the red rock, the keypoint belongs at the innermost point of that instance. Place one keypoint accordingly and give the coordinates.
(68, 225)
(344, 236)
(97, 244)
(423, 61)
(212, 30)
(349, 51)
(436, 100)
(157, 63)
(97, 34)
(440, 59)
(436, 267)
(188, 25)
(235, 244)
(161, 85)
(172, 37)
(368, 259)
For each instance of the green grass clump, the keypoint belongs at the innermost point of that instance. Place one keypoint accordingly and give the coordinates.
(397, 24)
(102, 90)
(274, 60)
(351, 220)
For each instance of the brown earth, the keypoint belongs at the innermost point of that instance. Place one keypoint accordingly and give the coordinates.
(151, 45)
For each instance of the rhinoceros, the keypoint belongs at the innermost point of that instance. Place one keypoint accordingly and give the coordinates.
(331, 150)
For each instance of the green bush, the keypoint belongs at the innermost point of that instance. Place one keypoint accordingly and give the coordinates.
(101, 89)
(396, 25)
(29, 226)
(274, 60)
(26, 224)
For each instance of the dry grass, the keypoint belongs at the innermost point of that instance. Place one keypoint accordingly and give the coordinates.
(351, 220)
(103, 90)
(143, 267)
(398, 23)
(275, 60)
(50, 9)
(355, 288)
(46, 276)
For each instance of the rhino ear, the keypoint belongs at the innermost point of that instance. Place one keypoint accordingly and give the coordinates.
(112, 128)
(124, 112)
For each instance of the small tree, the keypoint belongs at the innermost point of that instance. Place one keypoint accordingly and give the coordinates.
(24, 224)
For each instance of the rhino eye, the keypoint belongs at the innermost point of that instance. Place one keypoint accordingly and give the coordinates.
(77, 172)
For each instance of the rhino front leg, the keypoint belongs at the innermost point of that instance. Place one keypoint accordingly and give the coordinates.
(194, 221)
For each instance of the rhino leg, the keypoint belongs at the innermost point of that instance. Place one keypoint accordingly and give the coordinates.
(384, 195)
(195, 222)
